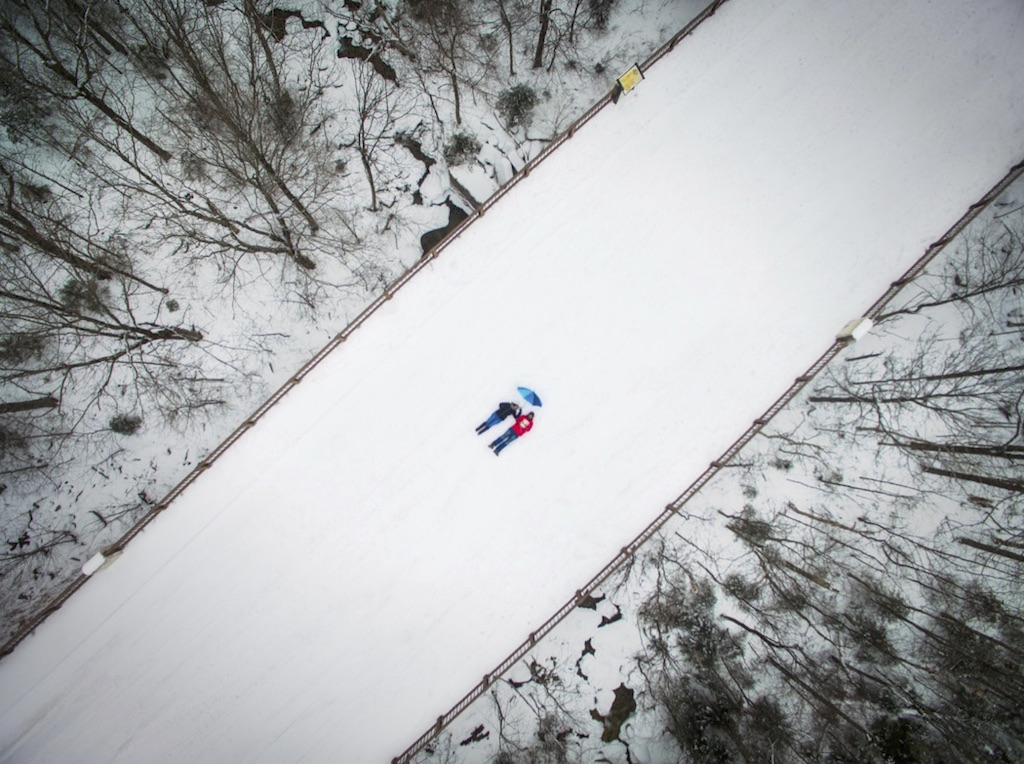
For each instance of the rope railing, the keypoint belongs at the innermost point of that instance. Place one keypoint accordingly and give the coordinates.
(673, 508)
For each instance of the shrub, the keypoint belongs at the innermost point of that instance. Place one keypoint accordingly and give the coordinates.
(902, 740)
(700, 718)
(600, 12)
(461, 148)
(152, 62)
(82, 296)
(735, 585)
(516, 105)
(11, 441)
(19, 347)
(172, 305)
(423, 10)
(284, 116)
(765, 729)
(36, 193)
(125, 424)
(193, 167)
(550, 745)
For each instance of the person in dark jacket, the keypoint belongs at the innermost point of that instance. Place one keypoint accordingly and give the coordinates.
(521, 427)
(504, 411)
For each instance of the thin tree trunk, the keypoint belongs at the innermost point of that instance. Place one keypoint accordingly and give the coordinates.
(825, 702)
(369, 178)
(1017, 486)
(992, 549)
(950, 375)
(259, 27)
(49, 60)
(115, 328)
(455, 90)
(956, 298)
(545, 20)
(198, 68)
(507, 23)
(18, 225)
(1004, 452)
(48, 402)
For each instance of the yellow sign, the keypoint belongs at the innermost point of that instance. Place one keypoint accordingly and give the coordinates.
(629, 80)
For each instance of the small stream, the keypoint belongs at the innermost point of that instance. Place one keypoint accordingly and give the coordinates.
(431, 238)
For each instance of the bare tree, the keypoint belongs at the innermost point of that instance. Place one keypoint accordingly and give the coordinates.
(378, 107)
(954, 404)
(248, 111)
(60, 51)
(249, 128)
(445, 43)
(76, 318)
(560, 22)
(514, 16)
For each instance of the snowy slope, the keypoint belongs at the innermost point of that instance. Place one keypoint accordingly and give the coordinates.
(360, 559)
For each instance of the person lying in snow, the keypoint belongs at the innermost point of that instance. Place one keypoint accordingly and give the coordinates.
(504, 410)
(520, 428)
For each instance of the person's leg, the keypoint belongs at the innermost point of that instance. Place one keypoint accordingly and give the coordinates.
(492, 420)
(506, 440)
(501, 440)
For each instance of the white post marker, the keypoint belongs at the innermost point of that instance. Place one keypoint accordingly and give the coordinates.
(855, 329)
(98, 562)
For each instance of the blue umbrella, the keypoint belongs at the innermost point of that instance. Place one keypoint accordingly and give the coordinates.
(529, 396)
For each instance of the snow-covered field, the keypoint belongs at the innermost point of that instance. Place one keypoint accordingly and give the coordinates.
(360, 559)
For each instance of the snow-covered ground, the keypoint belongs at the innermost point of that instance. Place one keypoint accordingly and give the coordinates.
(360, 559)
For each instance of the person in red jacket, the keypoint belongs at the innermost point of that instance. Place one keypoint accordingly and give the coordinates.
(520, 428)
